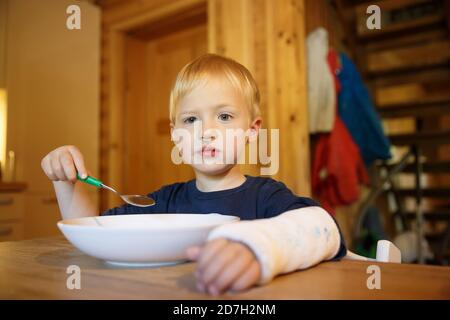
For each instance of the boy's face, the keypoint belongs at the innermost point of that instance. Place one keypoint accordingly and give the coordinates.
(213, 120)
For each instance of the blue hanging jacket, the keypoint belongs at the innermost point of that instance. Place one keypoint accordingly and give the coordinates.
(358, 113)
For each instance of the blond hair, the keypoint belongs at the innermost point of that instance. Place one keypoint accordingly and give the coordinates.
(198, 71)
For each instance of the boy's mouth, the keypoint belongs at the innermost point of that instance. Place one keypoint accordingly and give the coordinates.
(208, 151)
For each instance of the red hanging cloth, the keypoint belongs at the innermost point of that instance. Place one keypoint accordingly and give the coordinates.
(338, 168)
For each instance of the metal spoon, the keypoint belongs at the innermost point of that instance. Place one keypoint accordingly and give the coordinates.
(133, 199)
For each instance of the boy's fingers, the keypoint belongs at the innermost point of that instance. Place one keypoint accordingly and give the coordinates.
(68, 167)
(78, 160)
(219, 262)
(45, 164)
(249, 278)
(57, 168)
(233, 271)
(193, 252)
(200, 287)
(208, 252)
(51, 175)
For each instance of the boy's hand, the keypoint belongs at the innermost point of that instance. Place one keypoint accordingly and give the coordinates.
(224, 265)
(63, 163)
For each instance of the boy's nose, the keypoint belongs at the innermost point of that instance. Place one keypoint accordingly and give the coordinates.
(209, 135)
(209, 131)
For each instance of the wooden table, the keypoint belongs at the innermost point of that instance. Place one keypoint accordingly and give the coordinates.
(36, 269)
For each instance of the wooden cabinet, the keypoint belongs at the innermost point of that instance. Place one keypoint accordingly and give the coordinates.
(11, 216)
(42, 214)
(11, 231)
(11, 206)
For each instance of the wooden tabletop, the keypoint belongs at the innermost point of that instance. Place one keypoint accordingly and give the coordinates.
(36, 269)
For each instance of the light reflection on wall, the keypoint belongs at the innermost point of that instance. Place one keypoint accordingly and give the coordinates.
(3, 117)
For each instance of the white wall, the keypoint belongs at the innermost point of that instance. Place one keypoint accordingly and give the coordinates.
(53, 94)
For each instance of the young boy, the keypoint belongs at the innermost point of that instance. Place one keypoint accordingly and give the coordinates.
(280, 231)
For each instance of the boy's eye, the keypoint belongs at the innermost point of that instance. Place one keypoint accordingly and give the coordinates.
(225, 117)
(189, 120)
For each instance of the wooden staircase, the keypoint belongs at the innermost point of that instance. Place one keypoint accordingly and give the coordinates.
(406, 65)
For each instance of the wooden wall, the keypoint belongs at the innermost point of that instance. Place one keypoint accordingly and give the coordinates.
(268, 38)
(322, 14)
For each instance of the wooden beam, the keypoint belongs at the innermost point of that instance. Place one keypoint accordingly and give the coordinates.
(421, 138)
(413, 93)
(426, 54)
(447, 14)
(389, 29)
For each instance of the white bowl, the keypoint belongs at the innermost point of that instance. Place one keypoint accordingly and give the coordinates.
(141, 239)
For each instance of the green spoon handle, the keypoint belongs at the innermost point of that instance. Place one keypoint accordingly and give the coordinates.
(90, 180)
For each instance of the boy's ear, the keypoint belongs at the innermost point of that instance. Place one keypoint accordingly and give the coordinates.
(171, 130)
(254, 128)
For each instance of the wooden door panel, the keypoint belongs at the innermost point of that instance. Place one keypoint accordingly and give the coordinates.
(151, 70)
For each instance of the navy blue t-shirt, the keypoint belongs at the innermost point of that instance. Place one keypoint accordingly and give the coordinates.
(256, 198)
